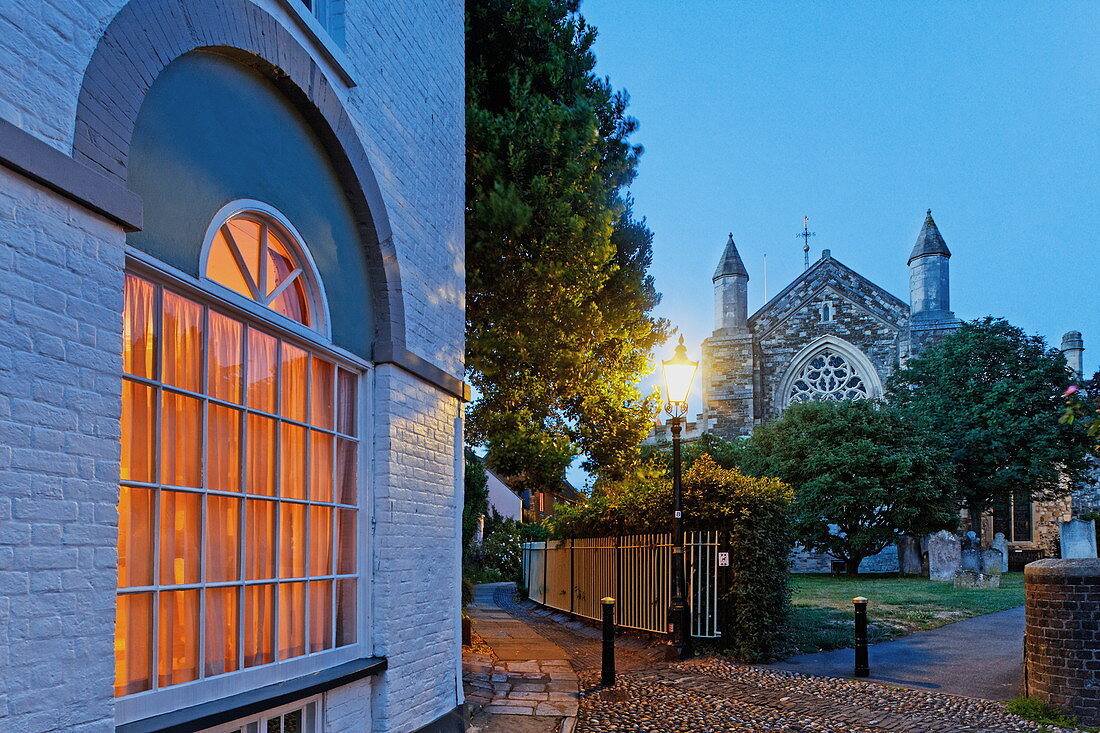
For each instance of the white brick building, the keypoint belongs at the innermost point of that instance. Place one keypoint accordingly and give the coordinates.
(231, 287)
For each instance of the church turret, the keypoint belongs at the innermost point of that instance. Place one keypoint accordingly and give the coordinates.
(731, 292)
(1073, 348)
(929, 284)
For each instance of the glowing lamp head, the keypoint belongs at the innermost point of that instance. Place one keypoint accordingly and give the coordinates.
(678, 373)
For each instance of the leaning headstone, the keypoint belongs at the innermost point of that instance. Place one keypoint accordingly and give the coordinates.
(909, 560)
(1078, 539)
(1000, 543)
(991, 561)
(971, 549)
(944, 556)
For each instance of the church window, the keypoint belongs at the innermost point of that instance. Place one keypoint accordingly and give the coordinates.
(828, 376)
(826, 314)
(1013, 519)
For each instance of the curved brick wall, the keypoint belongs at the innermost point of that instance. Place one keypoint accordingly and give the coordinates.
(1062, 644)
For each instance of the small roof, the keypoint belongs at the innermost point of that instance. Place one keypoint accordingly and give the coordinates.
(731, 263)
(929, 241)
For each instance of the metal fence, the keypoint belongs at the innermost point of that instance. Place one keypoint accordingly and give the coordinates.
(573, 575)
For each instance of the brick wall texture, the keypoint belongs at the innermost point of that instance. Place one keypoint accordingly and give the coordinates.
(1062, 643)
(61, 299)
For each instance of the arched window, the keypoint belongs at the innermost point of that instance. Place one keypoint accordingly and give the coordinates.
(828, 376)
(239, 501)
(252, 250)
(829, 368)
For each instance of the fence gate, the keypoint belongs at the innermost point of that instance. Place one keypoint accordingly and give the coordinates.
(573, 575)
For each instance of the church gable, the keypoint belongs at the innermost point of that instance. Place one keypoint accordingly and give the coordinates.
(830, 316)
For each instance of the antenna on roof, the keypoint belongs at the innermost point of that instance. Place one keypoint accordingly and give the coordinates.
(765, 277)
(806, 234)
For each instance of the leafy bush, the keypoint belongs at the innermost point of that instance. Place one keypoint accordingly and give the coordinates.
(1032, 708)
(752, 516)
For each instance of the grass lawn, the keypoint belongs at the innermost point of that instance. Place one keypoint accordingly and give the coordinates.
(821, 614)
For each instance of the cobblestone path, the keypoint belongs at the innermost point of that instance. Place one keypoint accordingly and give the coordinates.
(712, 695)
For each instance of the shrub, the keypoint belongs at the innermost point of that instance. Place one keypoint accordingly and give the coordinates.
(752, 516)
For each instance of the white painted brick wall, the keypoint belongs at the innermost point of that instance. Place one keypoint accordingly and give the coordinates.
(60, 300)
(415, 613)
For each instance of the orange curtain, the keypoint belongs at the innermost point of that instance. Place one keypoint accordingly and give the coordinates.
(222, 645)
(182, 342)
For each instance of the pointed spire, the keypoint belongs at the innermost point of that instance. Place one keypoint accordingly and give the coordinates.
(929, 241)
(731, 263)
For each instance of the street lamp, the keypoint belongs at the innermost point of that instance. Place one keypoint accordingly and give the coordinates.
(678, 373)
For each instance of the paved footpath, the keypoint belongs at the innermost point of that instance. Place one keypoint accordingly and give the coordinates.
(977, 657)
(703, 695)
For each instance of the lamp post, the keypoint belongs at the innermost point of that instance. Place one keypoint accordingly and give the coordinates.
(678, 373)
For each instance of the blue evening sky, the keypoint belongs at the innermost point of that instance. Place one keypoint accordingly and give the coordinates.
(861, 115)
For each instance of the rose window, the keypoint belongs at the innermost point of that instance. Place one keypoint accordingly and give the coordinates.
(828, 376)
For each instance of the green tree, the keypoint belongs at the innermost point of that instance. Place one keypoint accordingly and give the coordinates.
(558, 296)
(862, 474)
(1081, 408)
(475, 498)
(994, 395)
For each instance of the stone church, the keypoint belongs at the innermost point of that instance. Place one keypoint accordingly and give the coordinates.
(832, 334)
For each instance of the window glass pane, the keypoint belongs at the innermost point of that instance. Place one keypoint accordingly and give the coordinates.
(223, 448)
(292, 620)
(347, 470)
(135, 537)
(261, 455)
(345, 611)
(259, 624)
(181, 336)
(180, 440)
(292, 540)
(321, 394)
(133, 650)
(262, 362)
(293, 381)
(138, 424)
(225, 356)
(320, 540)
(180, 533)
(292, 458)
(139, 344)
(1021, 519)
(292, 303)
(345, 541)
(320, 466)
(245, 233)
(320, 615)
(222, 642)
(349, 402)
(222, 266)
(260, 539)
(178, 648)
(292, 722)
(223, 538)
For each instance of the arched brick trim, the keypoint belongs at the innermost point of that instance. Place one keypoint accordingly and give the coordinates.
(147, 35)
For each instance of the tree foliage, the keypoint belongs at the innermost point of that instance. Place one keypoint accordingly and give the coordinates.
(862, 474)
(995, 396)
(475, 498)
(558, 295)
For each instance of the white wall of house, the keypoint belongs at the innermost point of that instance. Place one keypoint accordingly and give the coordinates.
(503, 499)
(61, 280)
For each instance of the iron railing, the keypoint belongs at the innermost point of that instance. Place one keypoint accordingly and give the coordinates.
(573, 575)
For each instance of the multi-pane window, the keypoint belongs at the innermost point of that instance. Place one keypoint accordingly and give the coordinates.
(238, 500)
(1013, 519)
(828, 376)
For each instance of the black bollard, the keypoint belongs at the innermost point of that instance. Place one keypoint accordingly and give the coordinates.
(607, 678)
(863, 669)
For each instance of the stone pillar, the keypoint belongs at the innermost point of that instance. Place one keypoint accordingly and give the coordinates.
(1073, 348)
(1062, 641)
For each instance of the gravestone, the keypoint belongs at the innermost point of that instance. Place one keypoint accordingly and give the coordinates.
(992, 561)
(974, 579)
(1078, 539)
(1000, 543)
(909, 556)
(971, 548)
(944, 556)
